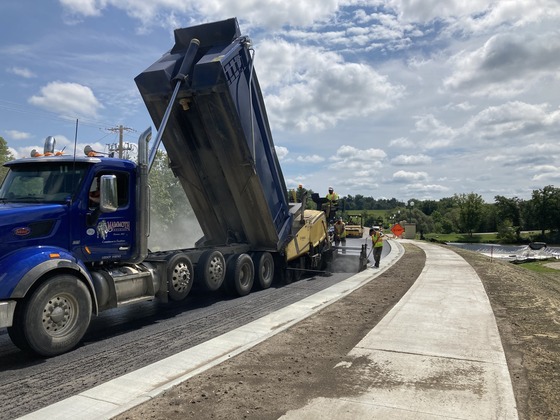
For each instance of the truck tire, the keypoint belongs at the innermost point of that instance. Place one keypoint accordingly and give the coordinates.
(211, 270)
(55, 317)
(179, 276)
(16, 332)
(263, 263)
(240, 275)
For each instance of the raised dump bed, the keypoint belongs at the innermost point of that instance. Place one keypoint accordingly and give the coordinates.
(218, 138)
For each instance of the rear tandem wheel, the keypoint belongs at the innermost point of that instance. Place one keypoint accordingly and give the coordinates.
(211, 270)
(240, 275)
(179, 276)
(263, 263)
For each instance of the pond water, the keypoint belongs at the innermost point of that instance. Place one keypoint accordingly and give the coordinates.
(510, 252)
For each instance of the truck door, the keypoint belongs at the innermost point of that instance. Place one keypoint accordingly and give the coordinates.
(109, 236)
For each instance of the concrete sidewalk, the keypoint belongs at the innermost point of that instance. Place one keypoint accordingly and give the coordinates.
(436, 355)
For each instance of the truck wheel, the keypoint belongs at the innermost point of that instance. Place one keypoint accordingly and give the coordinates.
(211, 268)
(16, 331)
(179, 276)
(264, 269)
(55, 317)
(240, 275)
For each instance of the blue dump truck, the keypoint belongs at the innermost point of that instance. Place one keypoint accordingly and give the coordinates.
(74, 230)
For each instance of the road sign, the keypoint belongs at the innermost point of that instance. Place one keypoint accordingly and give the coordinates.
(397, 229)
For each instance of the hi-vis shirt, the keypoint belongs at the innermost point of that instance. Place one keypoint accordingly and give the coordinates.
(332, 197)
(340, 229)
(377, 239)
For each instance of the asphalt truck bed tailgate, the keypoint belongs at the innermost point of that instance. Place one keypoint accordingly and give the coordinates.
(218, 138)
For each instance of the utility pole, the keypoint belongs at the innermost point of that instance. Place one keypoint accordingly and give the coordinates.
(121, 147)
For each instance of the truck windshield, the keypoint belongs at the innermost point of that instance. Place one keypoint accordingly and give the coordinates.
(42, 182)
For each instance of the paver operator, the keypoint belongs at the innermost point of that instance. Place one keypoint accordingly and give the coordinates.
(331, 203)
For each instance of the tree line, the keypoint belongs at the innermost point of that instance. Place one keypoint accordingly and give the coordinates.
(463, 213)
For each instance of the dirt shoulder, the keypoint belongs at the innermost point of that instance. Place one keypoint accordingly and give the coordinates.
(296, 365)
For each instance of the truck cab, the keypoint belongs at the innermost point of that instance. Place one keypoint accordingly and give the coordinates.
(45, 201)
(62, 217)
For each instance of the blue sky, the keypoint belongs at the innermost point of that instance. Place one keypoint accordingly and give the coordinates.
(397, 98)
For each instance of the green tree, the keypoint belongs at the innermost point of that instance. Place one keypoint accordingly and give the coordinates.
(369, 203)
(349, 203)
(544, 204)
(427, 206)
(509, 209)
(489, 221)
(358, 202)
(506, 232)
(162, 183)
(173, 223)
(470, 211)
(5, 156)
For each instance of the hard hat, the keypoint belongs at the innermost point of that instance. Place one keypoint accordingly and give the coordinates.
(330, 188)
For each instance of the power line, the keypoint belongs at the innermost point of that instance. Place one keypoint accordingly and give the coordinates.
(121, 147)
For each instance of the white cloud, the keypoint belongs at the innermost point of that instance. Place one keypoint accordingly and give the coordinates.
(310, 159)
(67, 99)
(401, 142)
(435, 133)
(351, 164)
(404, 160)
(22, 72)
(425, 191)
(312, 89)
(281, 152)
(476, 16)
(17, 135)
(430, 124)
(428, 10)
(550, 176)
(346, 153)
(506, 65)
(405, 176)
(512, 120)
(517, 13)
(84, 7)
(293, 12)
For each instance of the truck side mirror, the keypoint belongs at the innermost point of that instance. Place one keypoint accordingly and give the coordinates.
(108, 202)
